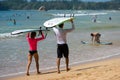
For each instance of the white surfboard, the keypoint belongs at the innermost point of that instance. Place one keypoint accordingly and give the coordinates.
(56, 21)
(102, 43)
(26, 30)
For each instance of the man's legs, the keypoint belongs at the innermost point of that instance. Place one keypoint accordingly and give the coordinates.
(67, 64)
(58, 64)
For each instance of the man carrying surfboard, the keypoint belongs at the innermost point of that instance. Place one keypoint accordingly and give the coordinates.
(33, 49)
(62, 47)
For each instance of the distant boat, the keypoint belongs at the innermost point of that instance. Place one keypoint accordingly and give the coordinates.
(42, 8)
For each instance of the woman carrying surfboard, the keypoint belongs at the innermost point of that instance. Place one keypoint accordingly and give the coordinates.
(33, 50)
(62, 47)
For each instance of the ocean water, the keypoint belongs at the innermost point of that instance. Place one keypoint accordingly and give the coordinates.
(14, 48)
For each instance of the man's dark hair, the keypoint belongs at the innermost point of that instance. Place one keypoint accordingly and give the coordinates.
(61, 25)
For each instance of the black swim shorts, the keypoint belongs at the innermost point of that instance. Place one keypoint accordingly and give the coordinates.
(32, 52)
(62, 50)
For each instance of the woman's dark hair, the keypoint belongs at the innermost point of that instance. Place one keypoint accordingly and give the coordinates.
(91, 34)
(33, 34)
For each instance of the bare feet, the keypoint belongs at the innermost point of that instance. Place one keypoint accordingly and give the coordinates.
(67, 69)
(27, 74)
(58, 71)
(38, 72)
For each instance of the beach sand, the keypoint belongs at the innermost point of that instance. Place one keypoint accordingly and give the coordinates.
(108, 69)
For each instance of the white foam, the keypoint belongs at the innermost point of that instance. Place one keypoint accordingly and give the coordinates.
(12, 74)
(97, 13)
(7, 35)
(79, 14)
(58, 14)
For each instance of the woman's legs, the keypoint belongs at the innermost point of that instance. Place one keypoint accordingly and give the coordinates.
(29, 63)
(37, 62)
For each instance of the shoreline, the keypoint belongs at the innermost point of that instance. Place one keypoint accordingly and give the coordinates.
(51, 72)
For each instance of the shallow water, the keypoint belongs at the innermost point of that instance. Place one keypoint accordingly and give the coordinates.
(14, 49)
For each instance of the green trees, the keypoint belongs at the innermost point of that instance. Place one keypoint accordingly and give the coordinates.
(115, 0)
(58, 4)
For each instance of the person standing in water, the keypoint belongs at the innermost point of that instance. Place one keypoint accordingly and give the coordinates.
(62, 47)
(110, 18)
(32, 41)
(14, 21)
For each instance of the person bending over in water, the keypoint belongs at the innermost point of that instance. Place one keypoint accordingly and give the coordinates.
(95, 37)
(33, 49)
(62, 47)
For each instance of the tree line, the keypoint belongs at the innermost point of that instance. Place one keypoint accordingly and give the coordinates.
(59, 5)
